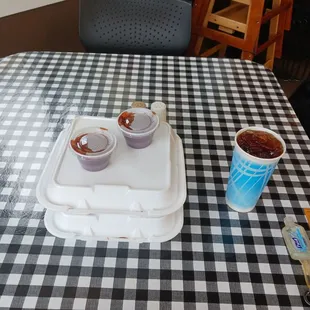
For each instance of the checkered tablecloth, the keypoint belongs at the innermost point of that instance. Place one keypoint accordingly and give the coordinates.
(221, 259)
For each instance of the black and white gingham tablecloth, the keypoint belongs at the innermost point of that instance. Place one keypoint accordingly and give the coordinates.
(221, 259)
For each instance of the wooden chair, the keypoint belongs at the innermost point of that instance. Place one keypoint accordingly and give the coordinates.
(199, 11)
(245, 17)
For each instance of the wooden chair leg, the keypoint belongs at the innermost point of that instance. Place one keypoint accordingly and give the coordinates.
(274, 28)
(198, 45)
(197, 5)
(288, 18)
(247, 55)
(191, 48)
(279, 45)
(203, 11)
(222, 51)
(255, 15)
(204, 25)
(281, 29)
(200, 8)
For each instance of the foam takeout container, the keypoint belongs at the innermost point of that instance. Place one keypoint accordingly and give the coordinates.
(114, 227)
(147, 182)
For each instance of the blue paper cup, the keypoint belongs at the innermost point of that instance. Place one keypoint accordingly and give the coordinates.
(249, 175)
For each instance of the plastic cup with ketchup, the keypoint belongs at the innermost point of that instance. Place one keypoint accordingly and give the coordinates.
(138, 126)
(93, 147)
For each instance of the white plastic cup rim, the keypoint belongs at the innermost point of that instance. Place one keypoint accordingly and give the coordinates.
(138, 134)
(259, 160)
(94, 156)
(135, 134)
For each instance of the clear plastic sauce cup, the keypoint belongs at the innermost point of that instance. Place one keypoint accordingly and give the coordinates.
(138, 126)
(93, 147)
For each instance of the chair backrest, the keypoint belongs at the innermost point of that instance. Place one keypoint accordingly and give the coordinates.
(136, 26)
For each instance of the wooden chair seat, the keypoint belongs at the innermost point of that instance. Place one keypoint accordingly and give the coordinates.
(232, 18)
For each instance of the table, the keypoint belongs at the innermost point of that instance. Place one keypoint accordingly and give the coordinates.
(221, 259)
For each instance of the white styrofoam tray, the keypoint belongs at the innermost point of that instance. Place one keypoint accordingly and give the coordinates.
(107, 227)
(147, 182)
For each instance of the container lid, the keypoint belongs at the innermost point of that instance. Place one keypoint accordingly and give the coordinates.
(92, 141)
(138, 121)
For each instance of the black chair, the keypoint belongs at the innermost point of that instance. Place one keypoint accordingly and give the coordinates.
(159, 27)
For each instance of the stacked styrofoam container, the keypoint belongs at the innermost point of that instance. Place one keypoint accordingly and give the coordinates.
(138, 197)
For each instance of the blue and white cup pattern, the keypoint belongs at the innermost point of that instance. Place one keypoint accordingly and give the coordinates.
(249, 175)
